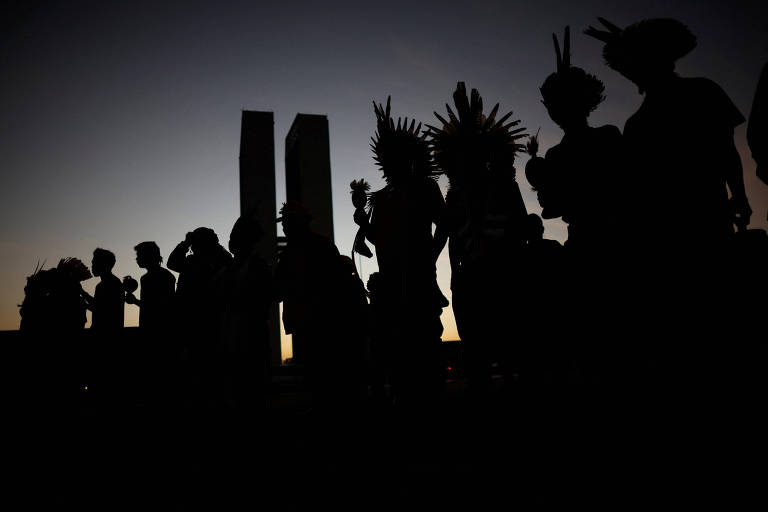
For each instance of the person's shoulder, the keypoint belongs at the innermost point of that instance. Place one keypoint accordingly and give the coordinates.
(166, 274)
(111, 282)
(554, 151)
(606, 131)
(700, 83)
(702, 89)
(713, 100)
(321, 241)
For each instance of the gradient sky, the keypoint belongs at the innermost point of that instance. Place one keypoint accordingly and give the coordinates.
(120, 120)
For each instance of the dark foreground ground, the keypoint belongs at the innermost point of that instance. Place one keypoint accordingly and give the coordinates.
(516, 447)
(490, 454)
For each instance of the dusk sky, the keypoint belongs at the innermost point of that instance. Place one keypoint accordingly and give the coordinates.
(120, 120)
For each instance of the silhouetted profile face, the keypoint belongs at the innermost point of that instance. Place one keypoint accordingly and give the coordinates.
(294, 225)
(102, 263)
(295, 218)
(245, 234)
(148, 254)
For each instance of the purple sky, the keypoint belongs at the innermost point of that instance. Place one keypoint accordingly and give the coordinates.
(120, 122)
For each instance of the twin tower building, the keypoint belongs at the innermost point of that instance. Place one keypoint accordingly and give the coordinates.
(307, 179)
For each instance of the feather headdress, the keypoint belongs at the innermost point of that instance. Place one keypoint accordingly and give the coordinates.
(74, 268)
(399, 149)
(570, 88)
(470, 143)
(648, 42)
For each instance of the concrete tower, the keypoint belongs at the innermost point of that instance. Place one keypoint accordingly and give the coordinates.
(308, 169)
(257, 195)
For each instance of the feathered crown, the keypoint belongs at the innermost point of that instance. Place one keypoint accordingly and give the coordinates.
(74, 268)
(470, 141)
(652, 41)
(570, 87)
(400, 149)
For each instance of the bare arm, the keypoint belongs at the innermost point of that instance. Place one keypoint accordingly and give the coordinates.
(734, 177)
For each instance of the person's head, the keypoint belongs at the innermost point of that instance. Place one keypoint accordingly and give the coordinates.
(645, 52)
(148, 254)
(244, 236)
(204, 242)
(473, 144)
(534, 228)
(570, 94)
(295, 218)
(103, 262)
(400, 150)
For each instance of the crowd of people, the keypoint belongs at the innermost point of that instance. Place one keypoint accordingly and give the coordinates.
(654, 283)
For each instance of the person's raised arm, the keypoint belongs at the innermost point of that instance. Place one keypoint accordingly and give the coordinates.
(179, 255)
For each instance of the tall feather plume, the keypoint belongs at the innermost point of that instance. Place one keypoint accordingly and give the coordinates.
(558, 54)
(399, 148)
(467, 144)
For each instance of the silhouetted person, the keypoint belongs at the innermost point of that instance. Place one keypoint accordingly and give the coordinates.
(106, 363)
(197, 310)
(351, 347)
(681, 154)
(246, 290)
(757, 131)
(380, 351)
(583, 180)
(108, 301)
(545, 350)
(682, 217)
(483, 222)
(53, 317)
(685, 182)
(157, 354)
(307, 277)
(400, 226)
(579, 178)
(158, 286)
(53, 299)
